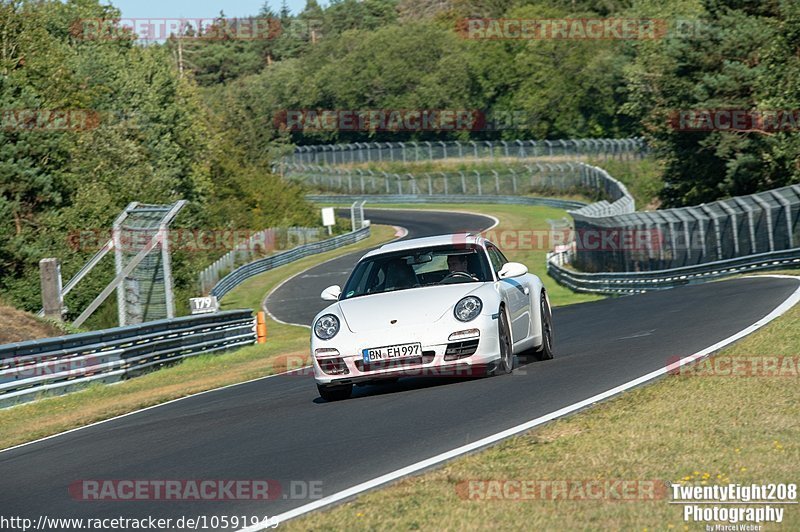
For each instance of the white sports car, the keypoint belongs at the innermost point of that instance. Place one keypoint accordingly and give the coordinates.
(444, 305)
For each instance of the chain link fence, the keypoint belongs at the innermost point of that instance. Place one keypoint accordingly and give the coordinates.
(141, 239)
(675, 238)
(608, 235)
(573, 178)
(259, 245)
(369, 152)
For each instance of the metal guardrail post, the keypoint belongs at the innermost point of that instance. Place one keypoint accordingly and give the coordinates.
(717, 232)
(768, 213)
(513, 180)
(521, 150)
(787, 206)
(734, 226)
(750, 222)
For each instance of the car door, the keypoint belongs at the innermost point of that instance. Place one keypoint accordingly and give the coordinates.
(516, 294)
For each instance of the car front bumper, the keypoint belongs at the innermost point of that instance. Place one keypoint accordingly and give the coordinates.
(441, 357)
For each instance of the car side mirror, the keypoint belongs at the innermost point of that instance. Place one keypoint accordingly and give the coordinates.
(512, 269)
(332, 293)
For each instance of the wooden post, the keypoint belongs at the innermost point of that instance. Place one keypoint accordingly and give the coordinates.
(50, 278)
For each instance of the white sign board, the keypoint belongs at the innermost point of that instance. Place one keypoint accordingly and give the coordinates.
(204, 305)
(328, 217)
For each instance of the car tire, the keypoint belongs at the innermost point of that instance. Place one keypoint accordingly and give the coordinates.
(505, 365)
(545, 351)
(335, 393)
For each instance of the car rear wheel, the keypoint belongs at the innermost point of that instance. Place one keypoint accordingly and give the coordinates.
(545, 351)
(506, 363)
(335, 393)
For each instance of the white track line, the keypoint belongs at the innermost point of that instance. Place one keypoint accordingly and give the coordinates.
(148, 408)
(494, 438)
(194, 394)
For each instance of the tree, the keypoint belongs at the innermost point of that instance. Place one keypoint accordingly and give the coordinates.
(736, 58)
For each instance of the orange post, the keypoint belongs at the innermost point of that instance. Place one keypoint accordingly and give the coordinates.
(261, 327)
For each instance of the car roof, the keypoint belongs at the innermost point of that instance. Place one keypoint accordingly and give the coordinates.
(429, 241)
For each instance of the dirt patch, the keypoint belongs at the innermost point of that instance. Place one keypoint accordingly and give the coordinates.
(19, 326)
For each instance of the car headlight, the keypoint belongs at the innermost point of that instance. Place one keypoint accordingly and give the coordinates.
(468, 308)
(326, 327)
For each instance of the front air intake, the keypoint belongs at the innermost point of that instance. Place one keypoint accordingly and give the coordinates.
(458, 350)
(333, 366)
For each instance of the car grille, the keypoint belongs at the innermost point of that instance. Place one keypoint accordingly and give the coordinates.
(458, 350)
(426, 358)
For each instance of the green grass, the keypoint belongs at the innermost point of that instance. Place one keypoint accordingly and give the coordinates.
(641, 177)
(52, 415)
(690, 430)
(287, 346)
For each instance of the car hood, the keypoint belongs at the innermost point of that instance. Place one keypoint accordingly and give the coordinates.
(415, 306)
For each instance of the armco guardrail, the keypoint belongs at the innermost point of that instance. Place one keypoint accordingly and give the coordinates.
(64, 364)
(634, 282)
(242, 273)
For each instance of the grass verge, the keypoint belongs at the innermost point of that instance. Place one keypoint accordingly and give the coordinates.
(700, 430)
(20, 326)
(641, 176)
(286, 345)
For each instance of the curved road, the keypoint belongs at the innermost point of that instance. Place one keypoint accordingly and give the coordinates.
(277, 428)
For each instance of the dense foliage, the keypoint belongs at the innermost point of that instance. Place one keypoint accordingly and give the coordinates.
(198, 118)
(409, 54)
(152, 140)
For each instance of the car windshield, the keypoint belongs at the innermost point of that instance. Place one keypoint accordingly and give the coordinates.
(418, 267)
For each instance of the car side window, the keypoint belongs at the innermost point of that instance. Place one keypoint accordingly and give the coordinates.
(496, 258)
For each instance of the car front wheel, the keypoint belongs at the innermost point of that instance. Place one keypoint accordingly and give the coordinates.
(506, 363)
(545, 351)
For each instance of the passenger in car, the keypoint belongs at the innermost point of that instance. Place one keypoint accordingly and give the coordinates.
(399, 276)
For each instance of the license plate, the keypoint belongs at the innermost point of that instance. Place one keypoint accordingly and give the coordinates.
(392, 352)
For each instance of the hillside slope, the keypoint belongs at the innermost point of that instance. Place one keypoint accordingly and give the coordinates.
(18, 326)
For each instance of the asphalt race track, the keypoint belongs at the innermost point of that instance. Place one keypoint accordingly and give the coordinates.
(278, 428)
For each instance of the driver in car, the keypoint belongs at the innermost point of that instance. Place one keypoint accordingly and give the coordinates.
(457, 264)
